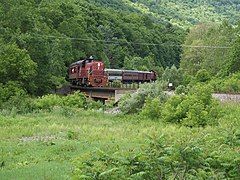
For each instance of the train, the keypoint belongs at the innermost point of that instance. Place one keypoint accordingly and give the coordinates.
(92, 73)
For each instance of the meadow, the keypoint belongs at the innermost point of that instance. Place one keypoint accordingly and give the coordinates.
(89, 144)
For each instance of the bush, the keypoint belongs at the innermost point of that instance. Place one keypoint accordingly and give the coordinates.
(12, 96)
(197, 108)
(116, 83)
(170, 113)
(152, 108)
(47, 102)
(162, 159)
(203, 76)
(75, 100)
(133, 103)
(172, 75)
(91, 104)
(9, 90)
(181, 90)
(230, 84)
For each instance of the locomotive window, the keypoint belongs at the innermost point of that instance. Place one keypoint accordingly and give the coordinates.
(112, 74)
(73, 70)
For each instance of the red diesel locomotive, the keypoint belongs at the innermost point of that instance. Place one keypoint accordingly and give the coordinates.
(88, 73)
(92, 73)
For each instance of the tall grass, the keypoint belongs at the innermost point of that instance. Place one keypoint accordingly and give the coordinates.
(75, 144)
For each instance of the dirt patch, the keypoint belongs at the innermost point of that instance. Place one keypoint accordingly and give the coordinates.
(39, 138)
(115, 110)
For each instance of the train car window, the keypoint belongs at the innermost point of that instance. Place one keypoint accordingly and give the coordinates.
(73, 70)
(112, 74)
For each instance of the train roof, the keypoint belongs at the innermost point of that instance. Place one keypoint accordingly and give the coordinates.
(84, 60)
(113, 70)
(77, 63)
(129, 71)
(136, 71)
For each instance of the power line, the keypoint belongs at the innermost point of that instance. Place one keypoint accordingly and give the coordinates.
(134, 43)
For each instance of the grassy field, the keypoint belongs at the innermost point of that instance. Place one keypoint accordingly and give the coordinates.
(50, 145)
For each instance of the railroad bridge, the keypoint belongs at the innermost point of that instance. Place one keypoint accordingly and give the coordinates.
(99, 93)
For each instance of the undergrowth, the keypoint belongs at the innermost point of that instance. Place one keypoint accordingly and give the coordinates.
(190, 107)
(173, 153)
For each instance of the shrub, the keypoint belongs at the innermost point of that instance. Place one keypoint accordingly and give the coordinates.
(181, 90)
(75, 100)
(9, 90)
(197, 108)
(161, 159)
(12, 96)
(47, 102)
(133, 103)
(21, 102)
(230, 84)
(152, 108)
(172, 75)
(116, 83)
(91, 104)
(203, 76)
(171, 111)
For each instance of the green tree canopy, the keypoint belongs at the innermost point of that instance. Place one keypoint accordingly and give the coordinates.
(16, 65)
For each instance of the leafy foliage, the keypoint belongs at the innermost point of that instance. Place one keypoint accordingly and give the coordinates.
(193, 108)
(203, 75)
(75, 100)
(219, 57)
(187, 13)
(16, 65)
(133, 103)
(172, 75)
(91, 144)
(152, 108)
(229, 84)
(49, 36)
(13, 97)
(188, 159)
(197, 108)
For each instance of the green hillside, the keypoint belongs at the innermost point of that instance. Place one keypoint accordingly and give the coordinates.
(184, 13)
(52, 35)
(39, 39)
(187, 133)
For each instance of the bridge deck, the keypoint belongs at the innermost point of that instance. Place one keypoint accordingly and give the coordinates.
(103, 93)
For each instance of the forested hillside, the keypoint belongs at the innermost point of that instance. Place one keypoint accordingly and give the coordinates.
(190, 132)
(186, 13)
(39, 39)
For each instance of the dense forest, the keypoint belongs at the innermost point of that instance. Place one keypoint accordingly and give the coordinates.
(158, 131)
(49, 36)
(186, 13)
(39, 39)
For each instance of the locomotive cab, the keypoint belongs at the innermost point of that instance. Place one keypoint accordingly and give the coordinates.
(88, 72)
